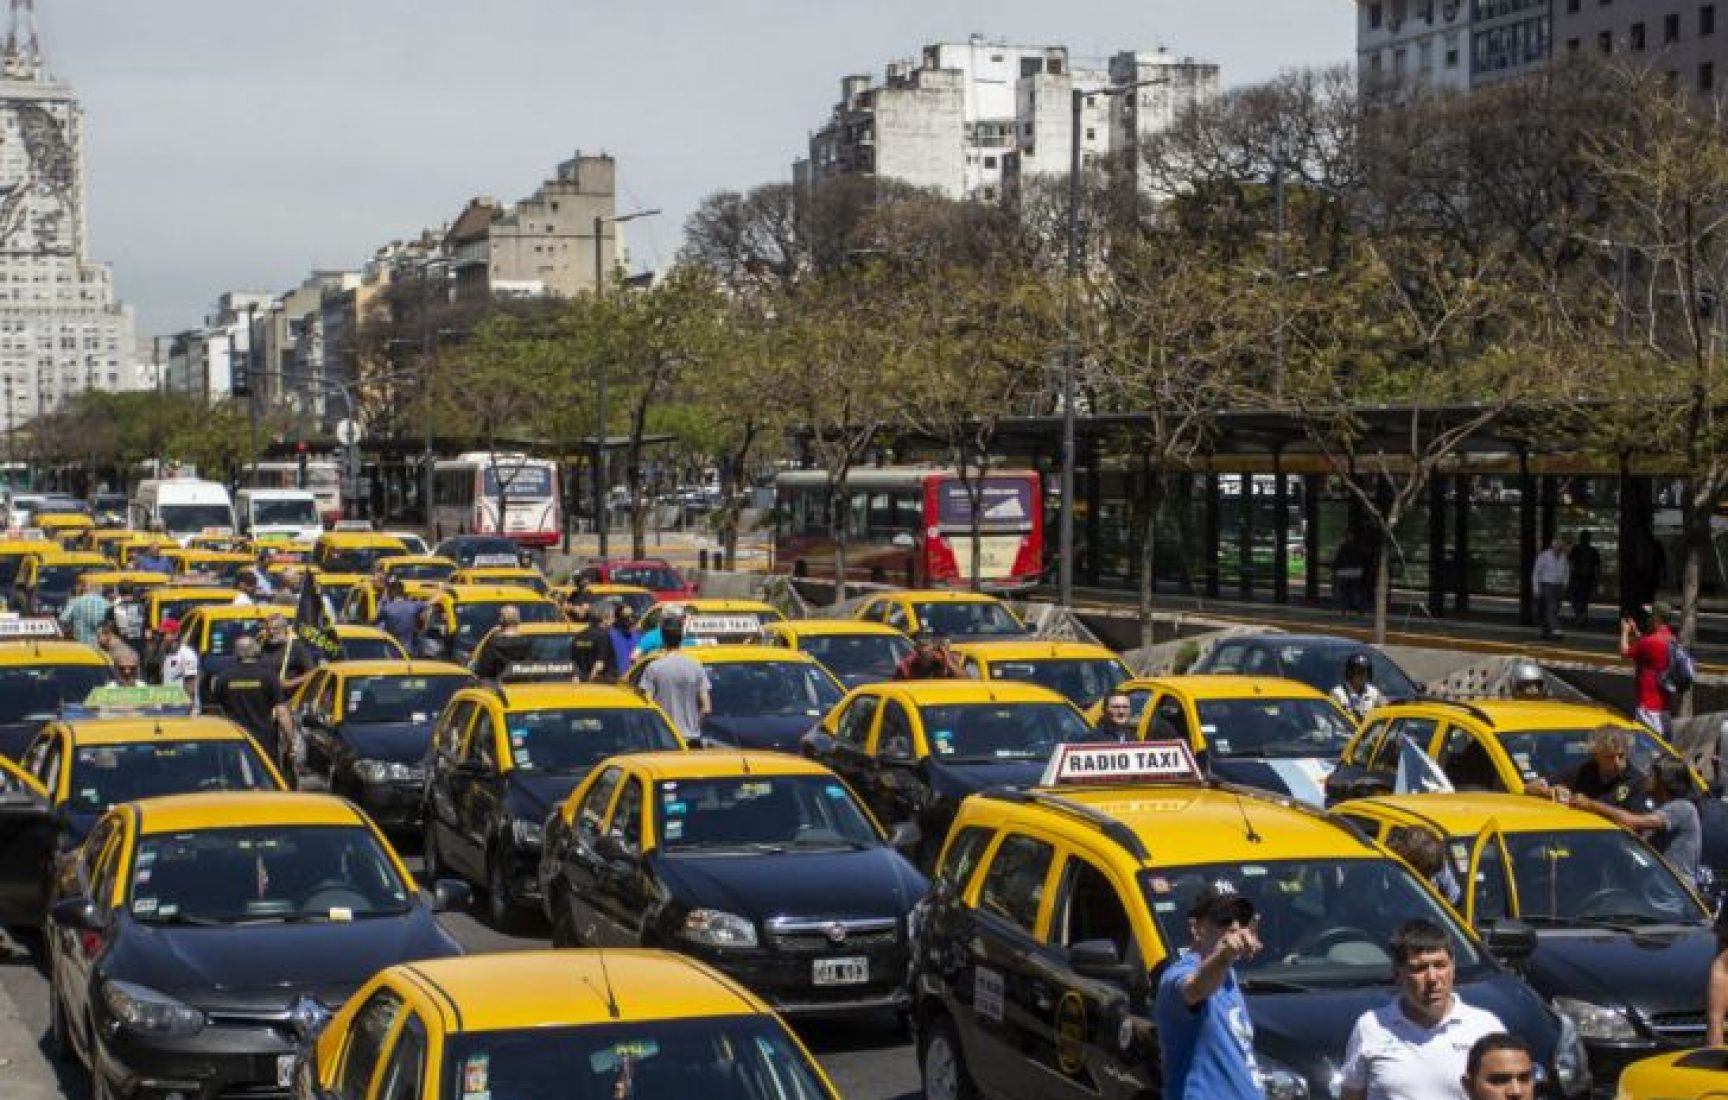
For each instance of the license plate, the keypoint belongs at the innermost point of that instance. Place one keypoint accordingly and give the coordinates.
(284, 1070)
(842, 971)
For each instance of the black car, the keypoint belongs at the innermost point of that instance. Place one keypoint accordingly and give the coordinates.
(366, 727)
(761, 698)
(38, 682)
(480, 551)
(760, 864)
(1315, 659)
(191, 931)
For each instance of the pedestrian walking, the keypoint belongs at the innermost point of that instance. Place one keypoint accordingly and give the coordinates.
(1499, 1068)
(1115, 720)
(622, 635)
(1350, 574)
(1584, 566)
(1204, 1031)
(85, 612)
(1644, 639)
(591, 649)
(1548, 576)
(1416, 1047)
(179, 662)
(399, 616)
(679, 684)
(1356, 695)
(250, 694)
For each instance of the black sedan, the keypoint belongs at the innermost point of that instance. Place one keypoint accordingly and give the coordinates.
(480, 551)
(192, 930)
(760, 864)
(1315, 659)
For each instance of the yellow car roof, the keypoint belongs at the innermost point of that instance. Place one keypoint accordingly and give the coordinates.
(521, 989)
(170, 592)
(74, 557)
(364, 540)
(126, 731)
(1466, 814)
(64, 519)
(701, 605)
(543, 629)
(1512, 715)
(242, 809)
(210, 556)
(718, 764)
(398, 561)
(48, 651)
(243, 611)
(941, 595)
(820, 628)
(938, 692)
(549, 696)
(126, 576)
(398, 668)
(1036, 651)
(500, 571)
(492, 593)
(1181, 826)
(338, 580)
(1227, 687)
(19, 547)
(354, 631)
(738, 654)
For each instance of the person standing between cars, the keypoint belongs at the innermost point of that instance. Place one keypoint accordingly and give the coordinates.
(1549, 576)
(1425, 852)
(930, 659)
(399, 616)
(679, 684)
(1672, 827)
(292, 660)
(1116, 720)
(1499, 1068)
(1418, 1046)
(249, 692)
(507, 646)
(128, 615)
(1584, 570)
(85, 612)
(247, 583)
(1204, 1032)
(1357, 695)
(1607, 777)
(150, 560)
(591, 650)
(622, 635)
(179, 662)
(126, 664)
(108, 639)
(1644, 638)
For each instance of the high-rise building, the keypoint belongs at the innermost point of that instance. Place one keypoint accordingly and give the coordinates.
(544, 246)
(61, 331)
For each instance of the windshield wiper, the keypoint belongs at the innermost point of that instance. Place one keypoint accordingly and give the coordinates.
(1613, 923)
(1275, 985)
(184, 919)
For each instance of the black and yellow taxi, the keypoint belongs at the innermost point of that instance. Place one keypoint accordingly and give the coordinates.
(855, 651)
(209, 566)
(458, 616)
(715, 621)
(39, 674)
(188, 928)
(365, 726)
(607, 598)
(914, 749)
(366, 643)
(13, 551)
(75, 769)
(173, 603)
(212, 630)
(118, 578)
(1054, 912)
(549, 655)
(762, 697)
(552, 1025)
(763, 865)
(503, 757)
(65, 528)
(1265, 731)
(47, 581)
(1082, 671)
(1699, 1074)
(108, 541)
(958, 616)
(334, 590)
(1614, 924)
(365, 598)
(519, 576)
(354, 551)
(415, 567)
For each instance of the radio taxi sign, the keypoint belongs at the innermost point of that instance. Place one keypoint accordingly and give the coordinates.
(15, 628)
(1149, 762)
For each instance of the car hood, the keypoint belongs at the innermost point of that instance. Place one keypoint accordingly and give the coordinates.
(875, 882)
(1301, 777)
(395, 742)
(265, 967)
(1621, 970)
(957, 780)
(779, 732)
(532, 797)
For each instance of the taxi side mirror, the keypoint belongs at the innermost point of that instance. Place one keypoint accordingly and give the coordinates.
(1098, 959)
(1512, 942)
(905, 836)
(79, 913)
(450, 893)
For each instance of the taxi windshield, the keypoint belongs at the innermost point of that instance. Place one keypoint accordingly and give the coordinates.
(1319, 665)
(1273, 728)
(270, 873)
(981, 733)
(859, 656)
(35, 693)
(968, 619)
(184, 519)
(1557, 754)
(370, 649)
(760, 689)
(476, 620)
(225, 571)
(1322, 921)
(737, 1057)
(753, 811)
(1592, 875)
(422, 571)
(1085, 680)
(59, 579)
(483, 552)
(655, 578)
(356, 559)
(635, 601)
(225, 632)
(103, 775)
(177, 609)
(416, 699)
(574, 740)
(549, 649)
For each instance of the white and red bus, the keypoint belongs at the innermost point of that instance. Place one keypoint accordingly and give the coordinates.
(323, 481)
(472, 491)
(912, 525)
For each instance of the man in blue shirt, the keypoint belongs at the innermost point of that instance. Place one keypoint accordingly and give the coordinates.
(400, 616)
(151, 560)
(1204, 1031)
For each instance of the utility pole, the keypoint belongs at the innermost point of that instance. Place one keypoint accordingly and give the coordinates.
(602, 526)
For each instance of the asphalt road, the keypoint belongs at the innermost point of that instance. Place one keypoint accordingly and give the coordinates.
(867, 1059)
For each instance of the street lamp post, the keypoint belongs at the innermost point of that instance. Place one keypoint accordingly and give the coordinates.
(1070, 351)
(602, 528)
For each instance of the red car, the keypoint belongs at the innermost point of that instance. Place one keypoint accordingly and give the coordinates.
(654, 574)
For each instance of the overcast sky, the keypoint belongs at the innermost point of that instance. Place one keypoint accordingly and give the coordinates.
(237, 144)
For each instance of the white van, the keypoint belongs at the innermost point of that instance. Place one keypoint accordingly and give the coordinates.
(182, 507)
(291, 512)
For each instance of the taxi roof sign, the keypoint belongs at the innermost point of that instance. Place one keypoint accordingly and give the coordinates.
(1128, 763)
(17, 628)
(702, 622)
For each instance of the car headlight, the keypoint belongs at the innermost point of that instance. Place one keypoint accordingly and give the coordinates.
(714, 928)
(1277, 1080)
(1571, 1060)
(1594, 1022)
(526, 834)
(144, 1009)
(385, 771)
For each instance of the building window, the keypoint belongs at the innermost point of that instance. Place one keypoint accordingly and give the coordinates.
(1706, 76)
(1605, 41)
(1670, 29)
(1573, 45)
(1375, 15)
(1707, 19)
(1571, 5)
(989, 162)
(1635, 37)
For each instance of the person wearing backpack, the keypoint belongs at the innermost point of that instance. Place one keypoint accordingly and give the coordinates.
(1646, 641)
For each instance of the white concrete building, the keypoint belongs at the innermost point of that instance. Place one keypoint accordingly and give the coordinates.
(61, 332)
(1413, 43)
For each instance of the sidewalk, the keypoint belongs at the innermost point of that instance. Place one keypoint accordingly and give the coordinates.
(25, 1073)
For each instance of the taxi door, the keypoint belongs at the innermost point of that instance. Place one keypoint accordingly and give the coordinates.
(479, 791)
(27, 835)
(581, 862)
(849, 746)
(625, 892)
(446, 782)
(91, 874)
(892, 785)
(1490, 889)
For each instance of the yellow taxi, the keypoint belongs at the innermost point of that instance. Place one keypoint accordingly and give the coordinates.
(513, 575)
(1263, 731)
(1485, 745)
(39, 675)
(855, 651)
(211, 631)
(115, 578)
(220, 543)
(12, 555)
(354, 551)
(958, 616)
(278, 572)
(503, 757)
(334, 590)
(534, 1025)
(64, 527)
(174, 601)
(1052, 909)
(549, 655)
(762, 697)
(364, 599)
(280, 549)
(48, 580)
(415, 567)
(131, 549)
(360, 642)
(1082, 671)
(715, 622)
(219, 566)
(606, 598)
(1614, 922)
(1700, 1074)
(761, 864)
(107, 541)
(458, 616)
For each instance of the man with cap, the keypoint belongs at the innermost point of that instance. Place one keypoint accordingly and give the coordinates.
(930, 659)
(179, 661)
(1204, 1032)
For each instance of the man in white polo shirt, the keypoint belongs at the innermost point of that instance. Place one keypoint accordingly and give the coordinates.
(1418, 1046)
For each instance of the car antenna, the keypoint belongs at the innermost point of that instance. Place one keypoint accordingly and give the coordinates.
(1247, 822)
(744, 762)
(606, 976)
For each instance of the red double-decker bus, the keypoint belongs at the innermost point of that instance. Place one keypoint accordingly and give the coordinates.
(912, 525)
